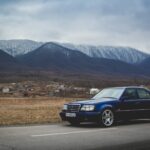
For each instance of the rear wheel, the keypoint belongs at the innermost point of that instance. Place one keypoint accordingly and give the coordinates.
(107, 118)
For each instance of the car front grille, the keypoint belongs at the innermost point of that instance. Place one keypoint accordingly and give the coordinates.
(74, 108)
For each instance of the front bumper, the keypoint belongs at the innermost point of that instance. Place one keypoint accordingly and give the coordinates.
(81, 116)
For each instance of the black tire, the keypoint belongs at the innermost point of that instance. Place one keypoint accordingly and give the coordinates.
(107, 118)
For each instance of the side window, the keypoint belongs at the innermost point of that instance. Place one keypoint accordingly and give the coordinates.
(130, 94)
(143, 94)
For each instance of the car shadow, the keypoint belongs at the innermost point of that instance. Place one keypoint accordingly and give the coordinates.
(133, 122)
(119, 123)
(84, 125)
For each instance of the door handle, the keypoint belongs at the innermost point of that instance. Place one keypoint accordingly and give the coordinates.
(137, 103)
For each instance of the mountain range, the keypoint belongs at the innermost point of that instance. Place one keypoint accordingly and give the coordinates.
(126, 54)
(52, 56)
(56, 57)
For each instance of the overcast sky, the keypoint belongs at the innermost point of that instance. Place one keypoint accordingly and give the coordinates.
(95, 22)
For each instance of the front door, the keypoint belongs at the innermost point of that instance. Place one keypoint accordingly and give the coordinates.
(130, 104)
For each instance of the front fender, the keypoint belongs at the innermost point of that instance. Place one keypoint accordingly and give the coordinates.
(106, 106)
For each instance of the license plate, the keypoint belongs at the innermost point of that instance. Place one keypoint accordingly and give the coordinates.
(70, 114)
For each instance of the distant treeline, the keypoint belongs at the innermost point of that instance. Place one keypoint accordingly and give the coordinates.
(79, 80)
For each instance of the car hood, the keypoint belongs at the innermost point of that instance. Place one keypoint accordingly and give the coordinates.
(94, 101)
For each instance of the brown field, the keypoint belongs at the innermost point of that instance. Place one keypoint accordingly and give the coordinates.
(15, 111)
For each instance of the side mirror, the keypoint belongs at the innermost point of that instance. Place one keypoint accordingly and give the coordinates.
(124, 98)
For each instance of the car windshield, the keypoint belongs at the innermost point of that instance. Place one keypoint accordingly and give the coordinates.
(110, 93)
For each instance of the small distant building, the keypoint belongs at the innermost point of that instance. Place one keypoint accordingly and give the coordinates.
(5, 90)
(61, 87)
(13, 83)
(79, 89)
(94, 91)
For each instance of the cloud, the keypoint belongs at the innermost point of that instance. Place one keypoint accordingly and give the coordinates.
(100, 22)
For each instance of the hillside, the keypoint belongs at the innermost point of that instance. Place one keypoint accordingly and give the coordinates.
(52, 56)
(8, 63)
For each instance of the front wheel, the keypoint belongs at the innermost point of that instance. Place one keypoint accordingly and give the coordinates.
(107, 118)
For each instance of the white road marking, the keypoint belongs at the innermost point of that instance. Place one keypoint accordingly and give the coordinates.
(72, 132)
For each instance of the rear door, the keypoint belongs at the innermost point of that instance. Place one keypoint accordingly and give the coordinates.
(144, 98)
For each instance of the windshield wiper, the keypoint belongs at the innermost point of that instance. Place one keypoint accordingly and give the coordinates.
(110, 97)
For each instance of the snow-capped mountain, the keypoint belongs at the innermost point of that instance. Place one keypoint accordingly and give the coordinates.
(126, 54)
(18, 47)
(53, 57)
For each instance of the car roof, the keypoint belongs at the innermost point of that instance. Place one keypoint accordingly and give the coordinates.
(137, 87)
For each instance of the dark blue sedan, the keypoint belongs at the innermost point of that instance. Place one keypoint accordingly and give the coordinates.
(109, 105)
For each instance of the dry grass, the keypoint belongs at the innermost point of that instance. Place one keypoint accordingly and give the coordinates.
(30, 110)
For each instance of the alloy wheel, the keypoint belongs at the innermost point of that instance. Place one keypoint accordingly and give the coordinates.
(107, 118)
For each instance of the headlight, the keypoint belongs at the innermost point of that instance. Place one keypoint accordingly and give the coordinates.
(65, 107)
(87, 108)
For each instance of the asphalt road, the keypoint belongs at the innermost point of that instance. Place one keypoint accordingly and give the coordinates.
(132, 136)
